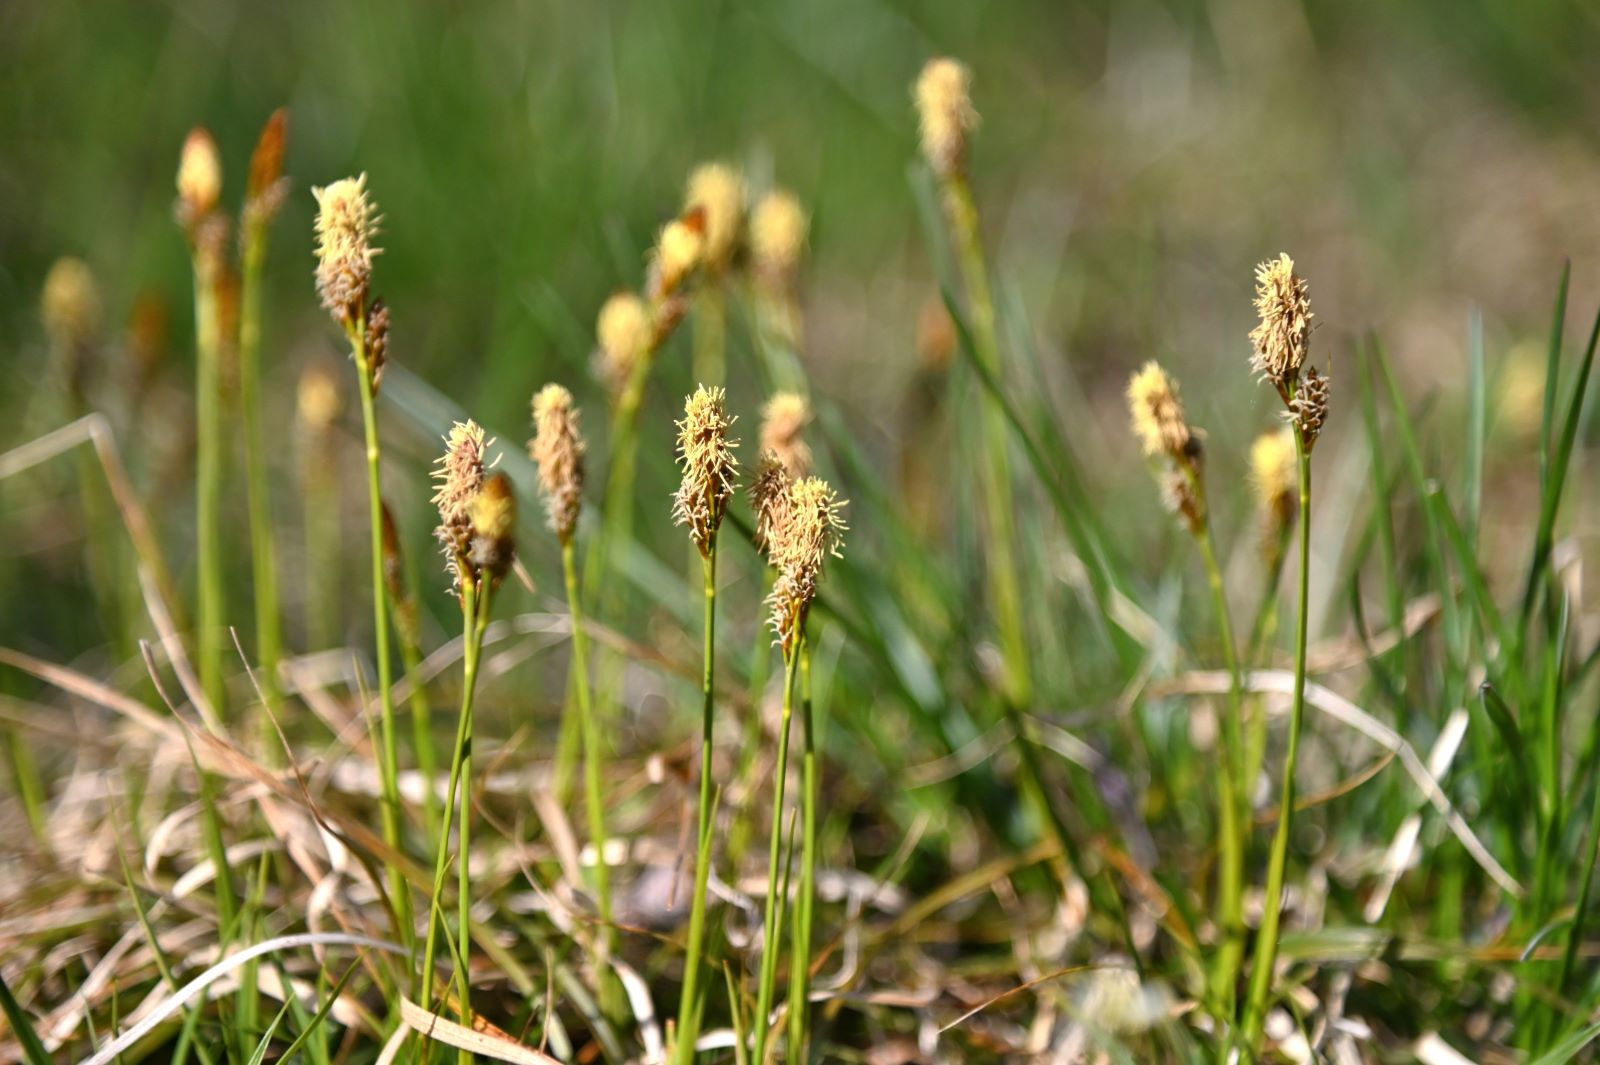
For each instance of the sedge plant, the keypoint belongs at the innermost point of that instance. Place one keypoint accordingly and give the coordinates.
(1164, 431)
(801, 524)
(347, 221)
(477, 523)
(1282, 341)
(199, 189)
(558, 447)
(710, 473)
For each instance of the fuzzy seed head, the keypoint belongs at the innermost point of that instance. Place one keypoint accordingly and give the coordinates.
(944, 108)
(1157, 412)
(718, 190)
(778, 229)
(810, 528)
(709, 469)
(679, 250)
(624, 334)
(347, 220)
(70, 303)
(1283, 336)
(458, 477)
(493, 514)
(558, 447)
(783, 418)
(199, 177)
(769, 496)
(318, 400)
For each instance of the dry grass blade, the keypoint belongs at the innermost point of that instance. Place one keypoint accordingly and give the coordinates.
(176, 1001)
(483, 1038)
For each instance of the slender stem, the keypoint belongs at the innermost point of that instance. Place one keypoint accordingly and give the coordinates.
(388, 763)
(1231, 861)
(800, 946)
(1267, 940)
(606, 938)
(471, 636)
(999, 546)
(689, 1007)
(208, 475)
(769, 945)
(469, 684)
(264, 571)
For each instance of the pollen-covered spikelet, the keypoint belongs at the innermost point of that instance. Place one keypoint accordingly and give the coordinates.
(493, 516)
(623, 332)
(199, 178)
(1157, 413)
(678, 251)
(783, 418)
(769, 496)
(1282, 338)
(778, 229)
(70, 303)
(709, 469)
(459, 476)
(347, 220)
(944, 108)
(718, 190)
(558, 447)
(809, 529)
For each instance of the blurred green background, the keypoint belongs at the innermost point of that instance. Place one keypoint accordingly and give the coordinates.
(1136, 159)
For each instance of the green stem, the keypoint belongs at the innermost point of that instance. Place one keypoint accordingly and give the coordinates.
(800, 948)
(1231, 860)
(769, 945)
(689, 1006)
(388, 762)
(471, 636)
(208, 476)
(606, 939)
(999, 547)
(1267, 940)
(469, 683)
(264, 572)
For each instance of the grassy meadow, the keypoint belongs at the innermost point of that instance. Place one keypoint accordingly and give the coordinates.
(828, 532)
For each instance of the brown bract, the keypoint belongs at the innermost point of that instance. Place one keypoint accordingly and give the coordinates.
(493, 517)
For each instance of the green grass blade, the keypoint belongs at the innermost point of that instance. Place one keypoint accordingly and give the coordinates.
(33, 1051)
(1568, 1048)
